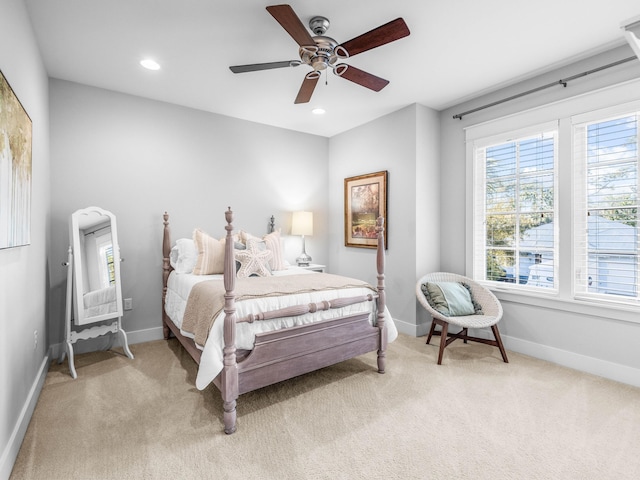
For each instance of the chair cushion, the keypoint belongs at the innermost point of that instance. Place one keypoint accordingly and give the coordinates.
(451, 299)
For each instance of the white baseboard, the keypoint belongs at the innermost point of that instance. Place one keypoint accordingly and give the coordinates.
(576, 361)
(411, 328)
(20, 429)
(133, 337)
(146, 335)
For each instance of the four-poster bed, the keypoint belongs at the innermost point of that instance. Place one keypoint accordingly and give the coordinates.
(251, 346)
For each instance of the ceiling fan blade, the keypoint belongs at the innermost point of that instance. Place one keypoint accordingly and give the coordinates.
(286, 17)
(361, 77)
(387, 33)
(264, 66)
(306, 90)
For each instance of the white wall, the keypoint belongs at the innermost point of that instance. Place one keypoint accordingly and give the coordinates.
(23, 270)
(405, 143)
(428, 199)
(138, 158)
(596, 340)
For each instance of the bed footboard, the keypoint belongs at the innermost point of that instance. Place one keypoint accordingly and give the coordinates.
(284, 354)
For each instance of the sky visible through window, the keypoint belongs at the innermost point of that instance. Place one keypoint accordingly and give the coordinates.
(612, 206)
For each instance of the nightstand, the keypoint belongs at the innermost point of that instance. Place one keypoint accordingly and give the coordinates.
(315, 267)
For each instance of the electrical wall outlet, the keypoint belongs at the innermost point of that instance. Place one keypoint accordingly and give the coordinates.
(35, 339)
(128, 303)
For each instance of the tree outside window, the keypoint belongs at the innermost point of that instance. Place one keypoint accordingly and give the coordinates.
(518, 201)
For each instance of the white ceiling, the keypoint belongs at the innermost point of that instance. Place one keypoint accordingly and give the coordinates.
(457, 49)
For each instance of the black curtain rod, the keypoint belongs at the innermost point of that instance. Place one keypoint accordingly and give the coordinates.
(562, 82)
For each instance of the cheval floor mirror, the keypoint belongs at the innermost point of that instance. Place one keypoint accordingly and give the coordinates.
(94, 290)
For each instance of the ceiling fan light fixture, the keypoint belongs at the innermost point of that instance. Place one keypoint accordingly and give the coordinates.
(319, 63)
(318, 111)
(150, 64)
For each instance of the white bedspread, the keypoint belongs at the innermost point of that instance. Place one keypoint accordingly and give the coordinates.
(179, 286)
(100, 301)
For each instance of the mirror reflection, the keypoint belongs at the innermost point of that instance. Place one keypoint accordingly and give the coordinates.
(96, 266)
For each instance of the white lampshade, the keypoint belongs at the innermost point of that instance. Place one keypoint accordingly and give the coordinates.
(302, 223)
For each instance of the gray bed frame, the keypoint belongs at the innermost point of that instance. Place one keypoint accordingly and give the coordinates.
(283, 354)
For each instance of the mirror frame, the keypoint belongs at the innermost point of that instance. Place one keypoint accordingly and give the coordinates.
(78, 264)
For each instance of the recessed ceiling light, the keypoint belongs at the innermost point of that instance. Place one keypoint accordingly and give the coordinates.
(318, 111)
(150, 64)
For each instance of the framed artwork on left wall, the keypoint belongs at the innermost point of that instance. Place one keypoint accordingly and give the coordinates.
(365, 199)
(15, 169)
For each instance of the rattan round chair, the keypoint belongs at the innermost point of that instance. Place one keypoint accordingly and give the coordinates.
(490, 316)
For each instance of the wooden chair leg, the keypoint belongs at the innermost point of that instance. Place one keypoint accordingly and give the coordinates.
(443, 341)
(431, 330)
(496, 334)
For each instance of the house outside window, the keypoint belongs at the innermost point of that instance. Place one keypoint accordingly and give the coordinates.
(607, 247)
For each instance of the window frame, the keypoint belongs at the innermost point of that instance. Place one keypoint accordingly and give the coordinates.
(479, 214)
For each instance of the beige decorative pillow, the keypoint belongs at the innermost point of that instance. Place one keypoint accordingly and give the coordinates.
(274, 245)
(210, 254)
(254, 260)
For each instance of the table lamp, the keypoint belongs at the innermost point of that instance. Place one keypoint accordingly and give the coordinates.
(302, 224)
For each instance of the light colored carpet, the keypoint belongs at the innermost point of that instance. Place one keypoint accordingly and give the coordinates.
(474, 417)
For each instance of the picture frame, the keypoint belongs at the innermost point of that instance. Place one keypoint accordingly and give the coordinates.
(365, 199)
(15, 169)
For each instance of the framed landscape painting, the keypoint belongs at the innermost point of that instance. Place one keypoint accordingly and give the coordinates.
(365, 199)
(15, 169)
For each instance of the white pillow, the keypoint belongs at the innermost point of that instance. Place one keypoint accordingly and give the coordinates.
(183, 255)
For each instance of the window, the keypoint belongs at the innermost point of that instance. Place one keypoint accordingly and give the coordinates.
(554, 210)
(515, 239)
(606, 246)
(106, 267)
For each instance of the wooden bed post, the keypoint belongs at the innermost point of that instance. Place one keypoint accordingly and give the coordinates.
(166, 270)
(229, 380)
(382, 351)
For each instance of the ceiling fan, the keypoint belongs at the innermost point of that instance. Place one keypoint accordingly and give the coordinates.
(321, 52)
